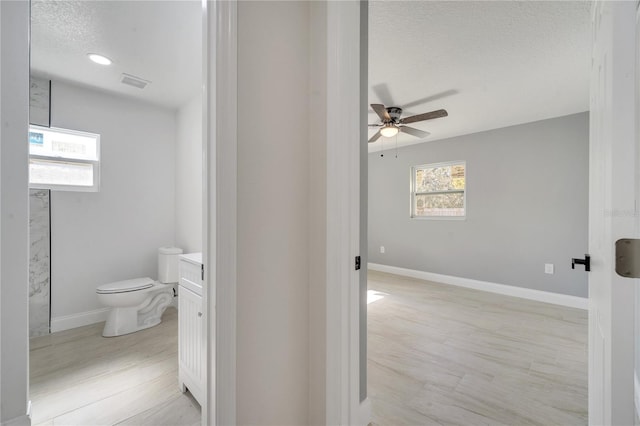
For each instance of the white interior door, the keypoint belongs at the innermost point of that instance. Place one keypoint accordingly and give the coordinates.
(613, 173)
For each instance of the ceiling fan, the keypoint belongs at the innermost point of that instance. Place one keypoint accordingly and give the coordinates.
(391, 123)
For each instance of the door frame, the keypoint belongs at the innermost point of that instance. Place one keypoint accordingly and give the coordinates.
(17, 67)
(14, 213)
(344, 139)
(613, 211)
(14, 96)
(220, 73)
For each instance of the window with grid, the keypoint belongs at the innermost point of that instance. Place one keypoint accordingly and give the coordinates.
(61, 159)
(439, 190)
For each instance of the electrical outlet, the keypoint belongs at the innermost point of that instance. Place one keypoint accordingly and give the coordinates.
(548, 268)
(381, 249)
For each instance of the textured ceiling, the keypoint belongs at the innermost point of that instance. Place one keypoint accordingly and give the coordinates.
(490, 64)
(159, 41)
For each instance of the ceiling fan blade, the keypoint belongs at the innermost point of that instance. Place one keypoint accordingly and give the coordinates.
(414, 132)
(381, 111)
(429, 98)
(374, 125)
(426, 116)
(375, 137)
(382, 92)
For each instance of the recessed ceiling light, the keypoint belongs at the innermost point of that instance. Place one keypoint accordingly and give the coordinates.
(99, 59)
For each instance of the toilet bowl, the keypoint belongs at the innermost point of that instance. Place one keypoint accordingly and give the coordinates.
(139, 303)
(135, 305)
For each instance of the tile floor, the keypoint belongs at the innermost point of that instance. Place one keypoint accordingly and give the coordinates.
(79, 377)
(445, 355)
(438, 355)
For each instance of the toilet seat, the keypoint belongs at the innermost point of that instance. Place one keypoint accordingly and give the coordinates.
(125, 286)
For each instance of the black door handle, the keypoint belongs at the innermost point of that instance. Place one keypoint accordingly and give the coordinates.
(586, 262)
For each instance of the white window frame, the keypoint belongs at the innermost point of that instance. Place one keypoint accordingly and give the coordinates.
(412, 183)
(95, 187)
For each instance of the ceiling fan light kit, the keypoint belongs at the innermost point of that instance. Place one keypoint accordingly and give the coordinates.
(389, 130)
(391, 123)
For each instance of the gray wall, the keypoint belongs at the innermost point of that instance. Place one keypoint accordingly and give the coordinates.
(527, 193)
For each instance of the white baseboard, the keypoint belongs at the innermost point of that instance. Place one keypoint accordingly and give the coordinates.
(67, 322)
(508, 290)
(365, 412)
(636, 392)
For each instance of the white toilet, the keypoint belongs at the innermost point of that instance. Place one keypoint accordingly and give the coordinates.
(139, 303)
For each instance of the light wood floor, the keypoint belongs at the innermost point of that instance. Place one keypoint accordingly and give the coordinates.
(438, 354)
(79, 377)
(446, 355)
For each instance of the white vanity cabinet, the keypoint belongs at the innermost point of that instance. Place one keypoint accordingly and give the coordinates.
(191, 339)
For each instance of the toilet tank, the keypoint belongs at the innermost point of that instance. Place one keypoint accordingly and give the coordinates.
(168, 264)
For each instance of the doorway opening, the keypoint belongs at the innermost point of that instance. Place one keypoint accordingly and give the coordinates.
(142, 98)
(492, 203)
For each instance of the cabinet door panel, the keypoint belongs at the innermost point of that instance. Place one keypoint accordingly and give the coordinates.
(191, 355)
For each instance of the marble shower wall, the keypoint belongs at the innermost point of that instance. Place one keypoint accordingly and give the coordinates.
(39, 262)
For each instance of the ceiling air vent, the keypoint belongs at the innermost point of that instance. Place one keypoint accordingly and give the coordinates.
(134, 81)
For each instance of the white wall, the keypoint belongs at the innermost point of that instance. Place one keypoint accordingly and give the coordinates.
(112, 234)
(273, 213)
(14, 217)
(189, 176)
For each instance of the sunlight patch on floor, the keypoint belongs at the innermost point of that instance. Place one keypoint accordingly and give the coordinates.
(373, 296)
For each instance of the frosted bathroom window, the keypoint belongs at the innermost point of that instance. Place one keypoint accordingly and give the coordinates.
(61, 159)
(439, 190)
(60, 173)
